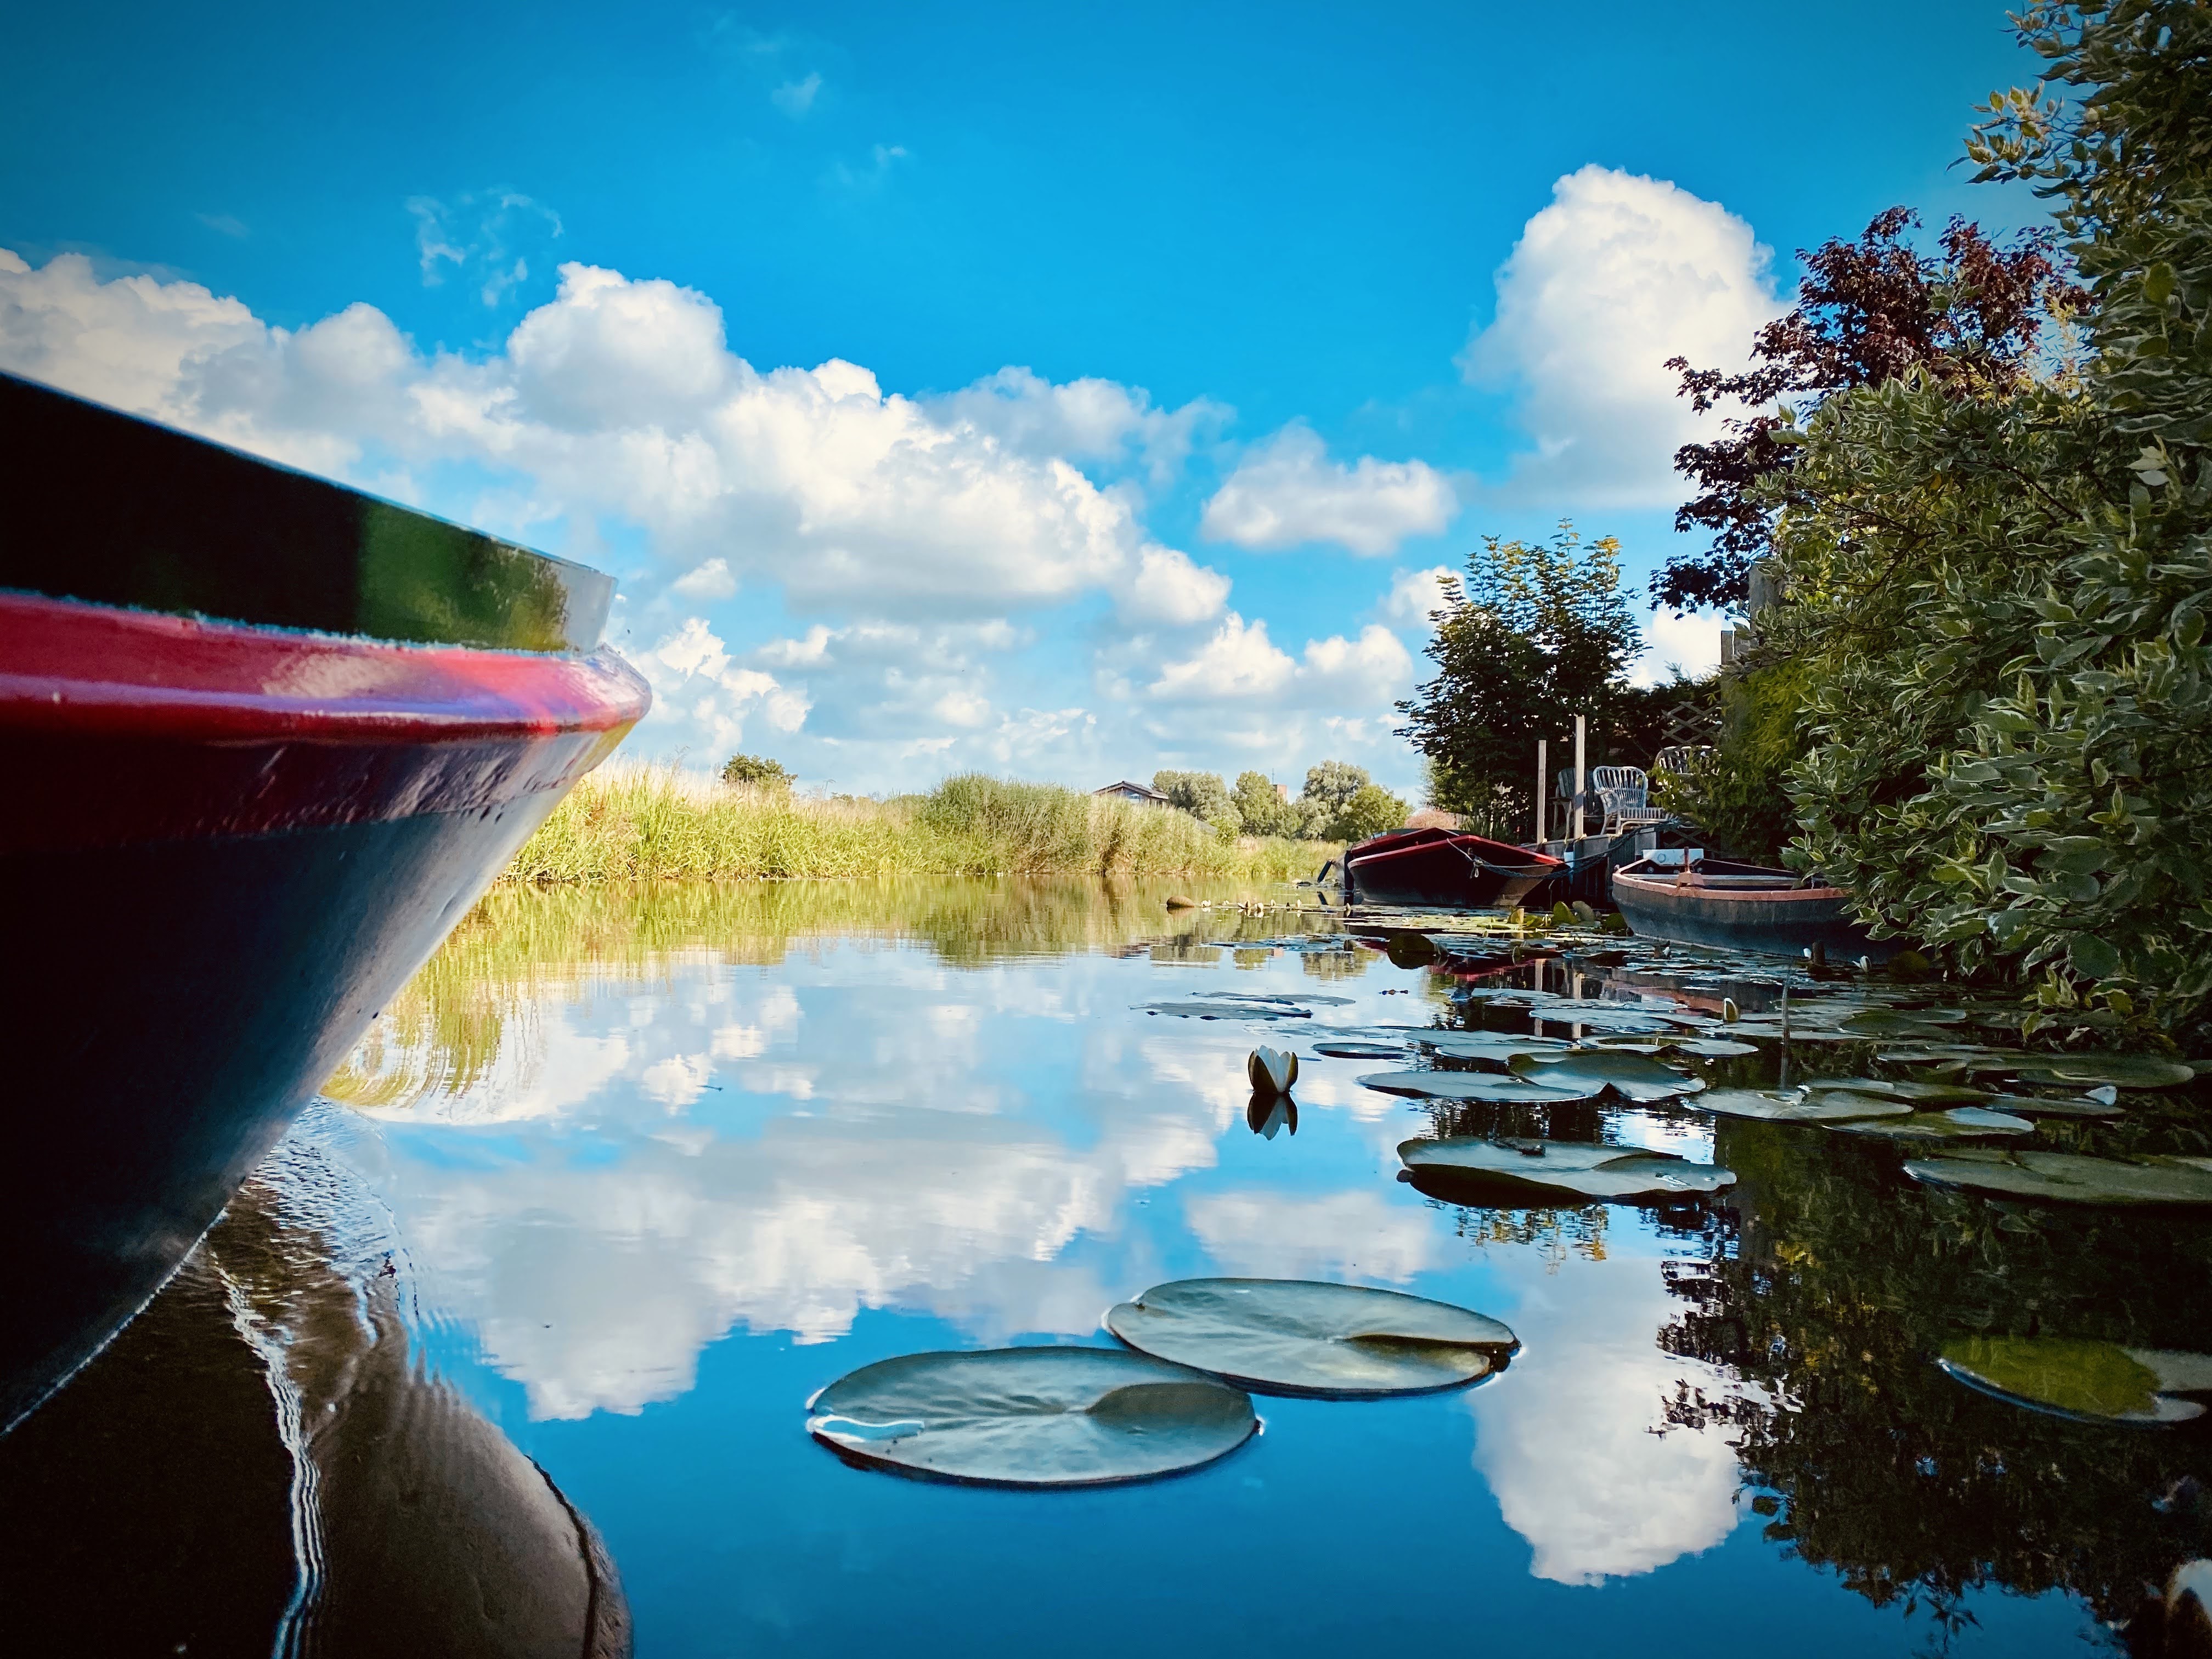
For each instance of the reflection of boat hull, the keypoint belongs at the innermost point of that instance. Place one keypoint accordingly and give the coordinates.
(227, 843)
(298, 1483)
(1442, 869)
(1742, 908)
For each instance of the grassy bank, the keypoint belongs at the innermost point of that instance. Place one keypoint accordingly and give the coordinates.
(637, 823)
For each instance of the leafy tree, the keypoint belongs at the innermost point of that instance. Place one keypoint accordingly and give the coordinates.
(1333, 783)
(1533, 635)
(1969, 321)
(757, 771)
(1998, 597)
(1203, 795)
(1371, 810)
(1263, 810)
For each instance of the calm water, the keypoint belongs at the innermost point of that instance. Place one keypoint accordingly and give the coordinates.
(654, 1168)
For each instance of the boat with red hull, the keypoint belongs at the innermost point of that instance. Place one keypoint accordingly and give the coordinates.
(266, 739)
(1436, 868)
(1741, 906)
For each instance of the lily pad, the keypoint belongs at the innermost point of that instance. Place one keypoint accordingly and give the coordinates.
(1900, 1021)
(1360, 1050)
(2122, 1071)
(1496, 1087)
(1772, 1107)
(1633, 1077)
(1925, 1094)
(1493, 1048)
(1960, 1123)
(1303, 1000)
(2051, 1106)
(1605, 1016)
(2069, 1177)
(1224, 1009)
(1604, 1173)
(1299, 1336)
(2089, 1380)
(1031, 1417)
(1703, 1048)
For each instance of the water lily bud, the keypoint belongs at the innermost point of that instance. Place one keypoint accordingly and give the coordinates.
(1272, 1070)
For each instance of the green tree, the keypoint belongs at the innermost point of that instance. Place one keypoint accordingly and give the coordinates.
(757, 771)
(1263, 810)
(1203, 795)
(1533, 635)
(1371, 810)
(1998, 596)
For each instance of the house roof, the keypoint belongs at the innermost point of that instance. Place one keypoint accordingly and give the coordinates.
(1123, 787)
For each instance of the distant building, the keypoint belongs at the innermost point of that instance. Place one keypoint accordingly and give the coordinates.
(1135, 792)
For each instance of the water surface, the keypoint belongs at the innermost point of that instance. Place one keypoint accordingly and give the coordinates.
(660, 1164)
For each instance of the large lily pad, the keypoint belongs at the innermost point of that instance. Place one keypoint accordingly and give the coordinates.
(1298, 1336)
(1555, 1168)
(1960, 1123)
(1031, 1417)
(1485, 1047)
(2089, 1381)
(2069, 1177)
(1497, 1087)
(2122, 1071)
(1772, 1107)
(1633, 1077)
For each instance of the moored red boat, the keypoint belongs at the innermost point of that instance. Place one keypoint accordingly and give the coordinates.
(1442, 869)
(1742, 907)
(266, 739)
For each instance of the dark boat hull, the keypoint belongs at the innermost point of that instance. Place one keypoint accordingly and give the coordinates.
(1770, 921)
(229, 847)
(1442, 870)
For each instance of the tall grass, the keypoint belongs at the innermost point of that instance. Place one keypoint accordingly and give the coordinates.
(642, 822)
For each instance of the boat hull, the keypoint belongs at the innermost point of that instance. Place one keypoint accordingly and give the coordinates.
(1770, 921)
(232, 846)
(1441, 870)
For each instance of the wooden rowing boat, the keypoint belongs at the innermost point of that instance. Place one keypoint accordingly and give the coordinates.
(1742, 907)
(1444, 869)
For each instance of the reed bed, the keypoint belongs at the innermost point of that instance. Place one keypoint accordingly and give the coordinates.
(633, 822)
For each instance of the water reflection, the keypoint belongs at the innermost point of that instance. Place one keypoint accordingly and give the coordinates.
(665, 1162)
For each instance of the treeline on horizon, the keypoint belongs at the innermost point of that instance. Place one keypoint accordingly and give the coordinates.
(630, 822)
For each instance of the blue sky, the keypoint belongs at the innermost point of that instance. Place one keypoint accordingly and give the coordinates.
(1169, 345)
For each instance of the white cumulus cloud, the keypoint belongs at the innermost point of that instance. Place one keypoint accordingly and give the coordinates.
(1415, 596)
(1618, 275)
(1288, 492)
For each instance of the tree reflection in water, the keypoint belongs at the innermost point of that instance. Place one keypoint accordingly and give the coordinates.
(1826, 1285)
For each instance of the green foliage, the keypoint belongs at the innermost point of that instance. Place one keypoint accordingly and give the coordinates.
(1333, 783)
(1533, 635)
(1263, 812)
(757, 771)
(1371, 810)
(1998, 596)
(1736, 794)
(1204, 796)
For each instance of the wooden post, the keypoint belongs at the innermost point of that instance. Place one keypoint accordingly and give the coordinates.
(1543, 784)
(1579, 779)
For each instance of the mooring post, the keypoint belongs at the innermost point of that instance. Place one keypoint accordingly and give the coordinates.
(1580, 724)
(1543, 784)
